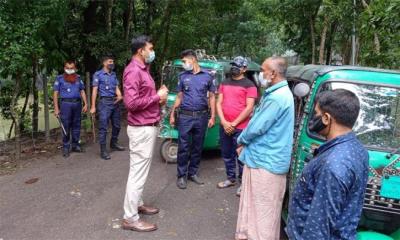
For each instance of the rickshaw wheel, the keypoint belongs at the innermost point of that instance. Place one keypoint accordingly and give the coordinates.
(169, 150)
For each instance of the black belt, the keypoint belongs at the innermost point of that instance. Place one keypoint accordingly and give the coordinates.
(146, 125)
(192, 113)
(70, 99)
(107, 98)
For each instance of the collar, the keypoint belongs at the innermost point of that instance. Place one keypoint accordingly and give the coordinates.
(104, 72)
(191, 71)
(331, 143)
(276, 87)
(139, 64)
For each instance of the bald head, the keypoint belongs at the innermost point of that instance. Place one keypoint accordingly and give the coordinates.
(274, 68)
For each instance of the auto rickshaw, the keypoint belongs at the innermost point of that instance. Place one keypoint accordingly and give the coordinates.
(377, 127)
(220, 68)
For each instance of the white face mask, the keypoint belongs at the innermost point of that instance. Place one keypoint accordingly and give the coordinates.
(69, 71)
(264, 82)
(187, 67)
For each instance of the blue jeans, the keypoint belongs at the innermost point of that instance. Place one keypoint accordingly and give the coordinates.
(228, 150)
(109, 111)
(70, 114)
(192, 131)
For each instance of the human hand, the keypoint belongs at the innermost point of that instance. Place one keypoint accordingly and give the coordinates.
(211, 122)
(163, 93)
(93, 110)
(84, 109)
(239, 149)
(56, 113)
(118, 99)
(228, 127)
(172, 119)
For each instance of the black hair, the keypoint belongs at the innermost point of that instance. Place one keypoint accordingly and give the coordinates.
(343, 105)
(188, 53)
(70, 61)
(139, 42)
(107, 56)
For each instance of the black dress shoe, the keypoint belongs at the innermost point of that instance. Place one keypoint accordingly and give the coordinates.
(181, 183)
(116, 147)
(104, 153)
(77, 149)
(196, 179)
(65, 152)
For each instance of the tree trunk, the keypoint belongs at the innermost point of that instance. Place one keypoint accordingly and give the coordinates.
(46, 109)
(89, 26)
(23, 111)
(128, 20)
(377, 43)
(331, 37)
(15, 116)
(35, 106)
(323, 39)
(109, 15)
(149, 16)
(10, 130)
(312, 30)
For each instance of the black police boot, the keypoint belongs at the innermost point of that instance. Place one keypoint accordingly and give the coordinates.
(116, 147)
(103, 152)
(65, 152)
(77, 149)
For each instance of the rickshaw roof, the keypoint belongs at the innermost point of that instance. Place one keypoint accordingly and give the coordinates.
(311, 72)
(220, 64)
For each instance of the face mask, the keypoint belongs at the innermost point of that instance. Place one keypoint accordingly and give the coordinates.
(316, 124)
(235, 71)
(264, 82)
(187, 67)
(69, 71)
(151, 57)
(111, 66)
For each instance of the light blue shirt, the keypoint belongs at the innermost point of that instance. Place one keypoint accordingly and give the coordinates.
(268, 138)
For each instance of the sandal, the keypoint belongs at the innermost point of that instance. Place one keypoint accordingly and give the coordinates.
(226, 184)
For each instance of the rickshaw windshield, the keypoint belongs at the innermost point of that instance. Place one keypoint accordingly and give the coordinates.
(171, 77)
(378, 124)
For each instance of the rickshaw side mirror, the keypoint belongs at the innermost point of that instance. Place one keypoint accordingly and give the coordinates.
(301, 90)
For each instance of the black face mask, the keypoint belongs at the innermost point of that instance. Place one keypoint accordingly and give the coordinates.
(316, 124)
(235, 71)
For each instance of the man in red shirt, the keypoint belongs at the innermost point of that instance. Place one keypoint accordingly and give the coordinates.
(236, 98)
(142, 102)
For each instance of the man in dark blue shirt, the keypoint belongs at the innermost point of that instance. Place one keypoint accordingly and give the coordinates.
(70, 90)
(328, 197)
(196, 94)
(105, 83)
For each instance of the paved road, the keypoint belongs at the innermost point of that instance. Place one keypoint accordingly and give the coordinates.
(81, 198)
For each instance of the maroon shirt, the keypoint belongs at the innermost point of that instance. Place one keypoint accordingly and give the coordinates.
(140, 95)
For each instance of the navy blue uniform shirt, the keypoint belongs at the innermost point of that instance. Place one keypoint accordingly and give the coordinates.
(67, 89)
(328, 198)
(106, 83)
(194, 88)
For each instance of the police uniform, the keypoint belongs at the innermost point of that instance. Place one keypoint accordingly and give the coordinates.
(107, 84)
(193, 119)
(70, 108)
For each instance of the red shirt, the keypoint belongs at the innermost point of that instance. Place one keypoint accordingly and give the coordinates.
(235, 94)
(140, 95)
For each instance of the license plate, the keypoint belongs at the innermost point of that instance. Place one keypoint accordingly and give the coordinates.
(390, 187)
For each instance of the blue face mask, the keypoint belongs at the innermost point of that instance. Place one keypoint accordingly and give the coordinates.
(151, 57)
(263, 82)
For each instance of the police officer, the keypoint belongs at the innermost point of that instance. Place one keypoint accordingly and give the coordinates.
(105, 83)
(70, 88)
(196, 94)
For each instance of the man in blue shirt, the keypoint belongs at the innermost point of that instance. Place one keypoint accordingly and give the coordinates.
(71, 91)
(265, 149)
(105, 83)
(196, 94)
(328, 197)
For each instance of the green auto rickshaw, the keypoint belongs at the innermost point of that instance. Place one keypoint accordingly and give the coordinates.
(378, 127)
(170, 72)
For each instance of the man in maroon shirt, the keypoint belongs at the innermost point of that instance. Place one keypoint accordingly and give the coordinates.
(142, 102)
